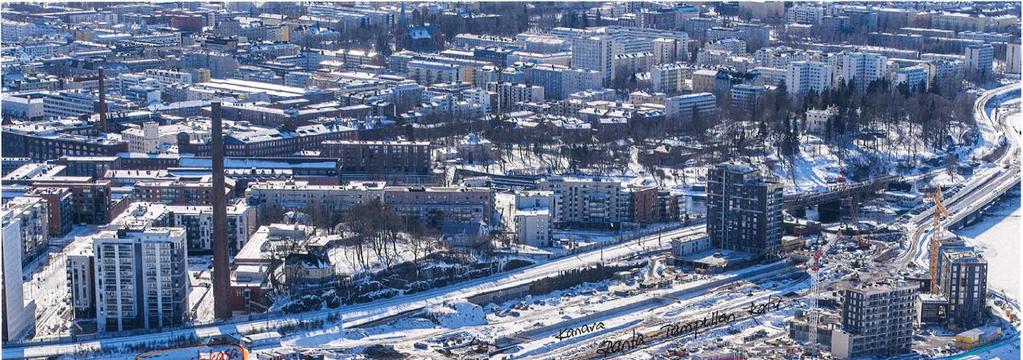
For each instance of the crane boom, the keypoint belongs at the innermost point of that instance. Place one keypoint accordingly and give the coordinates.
(940, 213)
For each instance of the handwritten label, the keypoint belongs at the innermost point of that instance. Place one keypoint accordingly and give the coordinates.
(690, 327)
(585, 329)
(608, 347)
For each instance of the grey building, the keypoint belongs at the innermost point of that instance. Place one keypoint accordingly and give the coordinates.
(743, 210)
(877, 320)
(962, 280)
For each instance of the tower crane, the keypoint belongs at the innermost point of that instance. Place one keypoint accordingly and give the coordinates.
(940, 213)
(814, 312)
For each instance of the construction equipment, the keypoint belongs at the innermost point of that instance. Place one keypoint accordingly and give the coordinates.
(854, 219)
(940, 213)
(815, 291)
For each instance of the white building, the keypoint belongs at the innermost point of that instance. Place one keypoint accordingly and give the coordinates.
(72, 103)
(805, 76)
(576, 80)
(667, 78)
(141, 278)
(805, 14)
(817, 120)
(596, 52)
(979, 58)
(862, 68)
(587, 201)
(684, 108)
(432, 72)
(197, 221)
(913, 76)
(33, 224)
(509, 95)
(1012, 58)
(17, 316)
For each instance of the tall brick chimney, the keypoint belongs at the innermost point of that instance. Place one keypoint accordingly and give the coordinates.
(221, 265)
(102, 103)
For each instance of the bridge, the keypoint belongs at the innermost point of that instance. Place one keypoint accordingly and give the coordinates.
(837, 192)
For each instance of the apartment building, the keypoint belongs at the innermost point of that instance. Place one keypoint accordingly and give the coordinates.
(140, 277)
(18, 317)
(877, 320)
(197, 221)
(32, 225)
(685, 108)
(509, 95)
(802, 77)
(743, 210)
(436, 206)
(587, 201)
(862, 68)
(400, 161)
(595, 52)
(962, 281)
(979, 59)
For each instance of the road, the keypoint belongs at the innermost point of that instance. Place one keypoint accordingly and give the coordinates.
(990, 181)
(362, 313)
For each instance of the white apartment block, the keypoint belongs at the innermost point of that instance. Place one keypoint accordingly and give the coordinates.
(32, 225)
(805, 76)
(805, 14)
(595, 52)
(509, 95)
(533, 227)
(576, 80)
(1012, 58)
(300, 195)
(667, 78)
(863, 68)
(16, 315)
(684, 108)
(913, 77)
(140, 278)
(197, 221)
(979, 58)
(167, 77)
(432, 72)
(586, 201)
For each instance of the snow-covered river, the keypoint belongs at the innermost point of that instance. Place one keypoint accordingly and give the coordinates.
(998, 235)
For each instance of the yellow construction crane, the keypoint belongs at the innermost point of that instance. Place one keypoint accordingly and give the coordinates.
(940, 213)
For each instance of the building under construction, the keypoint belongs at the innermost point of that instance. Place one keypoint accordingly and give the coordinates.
(877, 319)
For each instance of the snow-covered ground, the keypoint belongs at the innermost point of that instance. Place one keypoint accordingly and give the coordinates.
(998, 236)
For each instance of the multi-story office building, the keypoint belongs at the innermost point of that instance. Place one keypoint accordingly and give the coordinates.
(70, 103)
(33, 229)
(862, 68)
(685, 108)
(802, 77)
(962, 280)
(140, 278)
(877, 320)
(979, 59)
(403, 161)
(743, 210)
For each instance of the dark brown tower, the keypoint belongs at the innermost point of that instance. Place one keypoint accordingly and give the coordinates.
(102, 103)
(221, 266)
